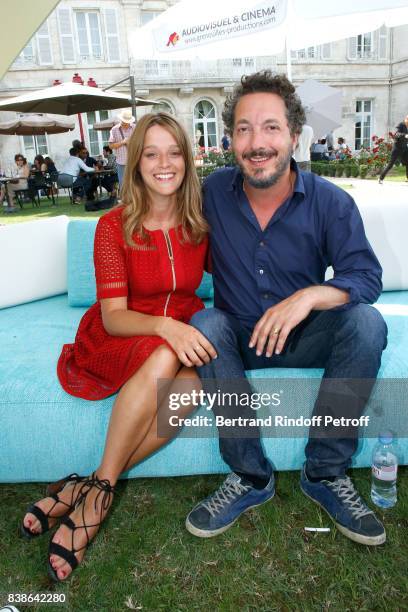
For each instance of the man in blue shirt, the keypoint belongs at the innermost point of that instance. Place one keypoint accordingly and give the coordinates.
(274, 230)
(76, 167)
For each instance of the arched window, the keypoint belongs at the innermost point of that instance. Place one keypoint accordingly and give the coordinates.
(205, 124)
(163, 107)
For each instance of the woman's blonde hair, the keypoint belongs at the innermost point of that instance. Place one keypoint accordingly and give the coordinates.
(134, 194)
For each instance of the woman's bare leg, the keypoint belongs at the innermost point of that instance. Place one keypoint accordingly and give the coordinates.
(132, 416)
(151, 441)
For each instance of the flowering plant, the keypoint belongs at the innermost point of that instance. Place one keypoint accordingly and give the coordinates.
(376, 156)
(213, 158)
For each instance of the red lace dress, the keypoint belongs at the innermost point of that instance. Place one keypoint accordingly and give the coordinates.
(158, 279)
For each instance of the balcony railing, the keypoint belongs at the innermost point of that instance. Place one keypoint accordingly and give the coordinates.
(197, 70)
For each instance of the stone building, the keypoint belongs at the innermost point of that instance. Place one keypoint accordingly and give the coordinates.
(92, 38)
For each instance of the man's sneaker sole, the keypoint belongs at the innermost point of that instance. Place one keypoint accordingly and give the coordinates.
(210, 533)
(352, 535)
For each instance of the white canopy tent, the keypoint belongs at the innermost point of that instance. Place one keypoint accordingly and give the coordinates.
(19, 21)
(233, 28)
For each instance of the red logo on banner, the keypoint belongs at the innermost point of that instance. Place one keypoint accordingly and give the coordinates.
(173, 39)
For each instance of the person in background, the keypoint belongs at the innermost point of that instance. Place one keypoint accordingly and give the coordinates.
(74, 166)
(399, 150)
(330, 141)
(39, 164)
(110, 181)
(226, 142)
(302, 150)
(119, 139)
(53, 174)
(78, 144)
(91, 162)
(319, 151)
(21, 175)
(51, 168)
(341, 148)
(110, 158)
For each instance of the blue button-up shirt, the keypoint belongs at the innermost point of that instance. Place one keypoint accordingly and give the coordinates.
(318, 226)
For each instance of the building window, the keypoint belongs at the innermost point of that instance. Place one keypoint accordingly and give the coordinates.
(27, 56)
(361, 46)
(307, 53)
(312, 53)
(205, 124)
(82, 37)
(247, 62)
(97, 138)
(363, 124)
(89, 35)
(364, 44)
(38, 50)
(34, 145)
(147, 16)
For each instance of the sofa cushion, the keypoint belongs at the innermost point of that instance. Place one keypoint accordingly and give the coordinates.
(385, 223)
(46, 433)
(38, 260)
(81, 275)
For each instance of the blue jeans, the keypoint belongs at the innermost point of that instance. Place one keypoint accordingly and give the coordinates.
(347, 343)
(82, 185)
(121, 172)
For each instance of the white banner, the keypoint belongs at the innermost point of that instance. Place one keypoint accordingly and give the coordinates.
(193, 32)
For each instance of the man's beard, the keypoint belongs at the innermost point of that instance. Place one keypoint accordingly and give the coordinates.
(282, 165)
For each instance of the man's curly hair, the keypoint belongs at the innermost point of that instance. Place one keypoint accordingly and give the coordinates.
(266, 82)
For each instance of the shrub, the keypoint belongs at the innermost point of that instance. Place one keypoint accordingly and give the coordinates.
(363, 171)
(339, 170)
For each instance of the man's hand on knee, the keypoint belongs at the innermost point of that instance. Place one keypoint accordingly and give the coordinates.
(273, 328)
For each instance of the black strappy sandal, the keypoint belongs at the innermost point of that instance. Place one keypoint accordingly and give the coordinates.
(106, 491)
(52, 491)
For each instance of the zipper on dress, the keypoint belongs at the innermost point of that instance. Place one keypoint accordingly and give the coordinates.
(171, 257)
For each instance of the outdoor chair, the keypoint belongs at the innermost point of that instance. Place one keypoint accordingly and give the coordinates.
(42, 183)
(30, 194)
(66, 181)
(52, 184)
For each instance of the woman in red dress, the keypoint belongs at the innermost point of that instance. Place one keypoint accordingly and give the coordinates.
(149, 257)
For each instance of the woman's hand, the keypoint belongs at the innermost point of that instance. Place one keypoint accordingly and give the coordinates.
(189, 344)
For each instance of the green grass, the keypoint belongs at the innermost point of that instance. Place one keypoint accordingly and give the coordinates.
(143, 559)
(62, 206)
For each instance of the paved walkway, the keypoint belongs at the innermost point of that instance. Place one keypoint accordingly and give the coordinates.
(370, 191)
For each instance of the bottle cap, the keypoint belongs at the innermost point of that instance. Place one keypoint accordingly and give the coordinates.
(386, 437)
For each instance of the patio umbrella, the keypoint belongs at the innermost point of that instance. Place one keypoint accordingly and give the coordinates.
(323, 106)
(234, 28)
(69, 99)
(106, 124)
(36, 125)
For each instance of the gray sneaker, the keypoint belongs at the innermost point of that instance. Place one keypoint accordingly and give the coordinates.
(219, 511)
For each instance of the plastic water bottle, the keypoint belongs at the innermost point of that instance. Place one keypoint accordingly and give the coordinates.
(384, 472)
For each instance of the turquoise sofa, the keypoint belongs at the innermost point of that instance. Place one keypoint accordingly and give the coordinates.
(46, 434)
